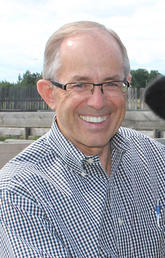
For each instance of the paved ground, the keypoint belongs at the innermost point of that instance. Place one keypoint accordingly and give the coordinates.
(10, 149)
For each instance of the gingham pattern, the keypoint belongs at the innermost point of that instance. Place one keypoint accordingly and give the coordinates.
(56, 202)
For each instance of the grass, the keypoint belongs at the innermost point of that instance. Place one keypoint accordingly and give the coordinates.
(3, 138)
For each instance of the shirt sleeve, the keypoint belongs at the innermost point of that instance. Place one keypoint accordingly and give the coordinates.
(26, 230)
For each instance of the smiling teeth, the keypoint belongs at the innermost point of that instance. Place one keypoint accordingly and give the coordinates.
(94, 119)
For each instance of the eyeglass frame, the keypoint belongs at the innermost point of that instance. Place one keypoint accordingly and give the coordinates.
(64, 86)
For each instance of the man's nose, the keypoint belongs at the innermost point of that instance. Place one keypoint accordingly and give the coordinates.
(96, 98)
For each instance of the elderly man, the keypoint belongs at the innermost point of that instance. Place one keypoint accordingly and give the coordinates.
(88, 188)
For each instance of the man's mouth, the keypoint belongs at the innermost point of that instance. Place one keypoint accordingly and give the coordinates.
(93, 119)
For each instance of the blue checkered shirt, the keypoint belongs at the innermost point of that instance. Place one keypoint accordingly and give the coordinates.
(57, 202)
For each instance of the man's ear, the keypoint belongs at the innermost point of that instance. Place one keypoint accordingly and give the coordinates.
(129, 77)
(46, 91)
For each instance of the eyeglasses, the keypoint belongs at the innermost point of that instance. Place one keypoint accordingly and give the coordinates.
(83, 87)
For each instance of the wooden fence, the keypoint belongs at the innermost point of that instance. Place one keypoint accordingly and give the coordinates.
(21, 99)
(28, 99)
(136, 99)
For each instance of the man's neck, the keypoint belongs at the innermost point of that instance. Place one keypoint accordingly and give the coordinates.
(105, 159)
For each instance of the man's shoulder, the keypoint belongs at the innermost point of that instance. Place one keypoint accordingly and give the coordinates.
(137, 137)
(27, 162)
(130, 132)
(33, 153)
(144, 152)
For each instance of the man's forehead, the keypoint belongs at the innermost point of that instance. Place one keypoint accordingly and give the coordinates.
(91, 55)
(84, 37)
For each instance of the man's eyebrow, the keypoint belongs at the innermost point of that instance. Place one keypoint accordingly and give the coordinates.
(80, 78)
(112, 78)
(86, 78)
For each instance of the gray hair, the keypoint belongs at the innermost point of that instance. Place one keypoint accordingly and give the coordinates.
(51, 55)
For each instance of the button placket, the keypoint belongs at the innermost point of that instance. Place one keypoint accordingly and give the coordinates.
(83, 174)
(90, 161)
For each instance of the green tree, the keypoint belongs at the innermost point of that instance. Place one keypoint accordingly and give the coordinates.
(153, 75)
(6, 84)
(28, 79)
(141, 77)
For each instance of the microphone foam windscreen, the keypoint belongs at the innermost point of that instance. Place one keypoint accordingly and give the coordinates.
(155, 96)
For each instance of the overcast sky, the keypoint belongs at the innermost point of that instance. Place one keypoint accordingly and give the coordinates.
(25, 27)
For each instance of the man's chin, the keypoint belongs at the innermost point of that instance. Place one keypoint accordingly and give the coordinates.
(91, 148)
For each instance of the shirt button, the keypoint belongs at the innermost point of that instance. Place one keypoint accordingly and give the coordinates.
(90, 161)
(83, 174)
(120, 222)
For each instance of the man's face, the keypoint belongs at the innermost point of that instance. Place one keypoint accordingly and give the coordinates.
(89, 121)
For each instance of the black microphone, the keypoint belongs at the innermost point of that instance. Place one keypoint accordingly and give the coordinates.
(154, 96)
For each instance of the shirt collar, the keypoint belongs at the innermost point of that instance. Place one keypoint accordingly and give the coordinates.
(120, 140)
(64, 148)
(70, 154)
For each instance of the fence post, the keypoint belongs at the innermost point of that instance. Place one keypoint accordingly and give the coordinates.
(27, 132)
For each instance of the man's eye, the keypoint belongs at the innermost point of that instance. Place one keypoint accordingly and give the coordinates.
(76, 86)
(79, 85)
(112, 84)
